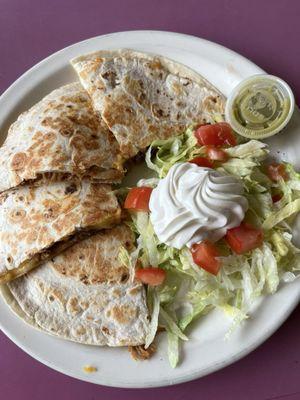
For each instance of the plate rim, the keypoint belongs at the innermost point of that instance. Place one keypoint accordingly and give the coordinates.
(187, 376)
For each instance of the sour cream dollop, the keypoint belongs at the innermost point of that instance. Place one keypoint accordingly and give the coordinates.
(192, 204)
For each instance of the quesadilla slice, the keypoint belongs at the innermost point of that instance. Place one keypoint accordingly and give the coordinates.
(143, 97)
(60, 138)
(85, 294)
(38, 222)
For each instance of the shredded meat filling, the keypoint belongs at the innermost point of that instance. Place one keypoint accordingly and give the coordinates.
(139, 353)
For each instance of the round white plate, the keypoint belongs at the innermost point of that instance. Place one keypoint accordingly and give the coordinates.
(207, 350)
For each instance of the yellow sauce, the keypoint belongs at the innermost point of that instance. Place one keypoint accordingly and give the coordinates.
(89, 369)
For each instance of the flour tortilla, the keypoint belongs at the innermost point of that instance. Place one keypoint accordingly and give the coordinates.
(38, 222)
(82, 295)
(144, 97)
(57, 139)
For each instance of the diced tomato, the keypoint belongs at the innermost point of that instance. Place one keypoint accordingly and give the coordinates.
(202, 162)
(244, 238)
(151, 276)
(276, 172)
(138, 198)
(219, 134)
(205, 256)
(276, 197)
(216, 154)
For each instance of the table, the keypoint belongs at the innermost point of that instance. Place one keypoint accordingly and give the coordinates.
(266, 32)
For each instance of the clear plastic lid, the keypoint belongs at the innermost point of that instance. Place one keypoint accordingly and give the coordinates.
(260, 106)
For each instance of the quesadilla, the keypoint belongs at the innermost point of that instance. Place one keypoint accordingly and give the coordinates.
(58, 139)
(38, 222)
(85, 294)
(143, 97)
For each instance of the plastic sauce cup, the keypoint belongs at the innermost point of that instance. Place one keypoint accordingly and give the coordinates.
(260, 106)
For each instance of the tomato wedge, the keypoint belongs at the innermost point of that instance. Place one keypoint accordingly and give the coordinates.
(219, 134)
(276, 172)
(138, 198)
(151, 276)
(202, 162)
(244, 238)
(276, 197)
(205, 256)
(216, 154)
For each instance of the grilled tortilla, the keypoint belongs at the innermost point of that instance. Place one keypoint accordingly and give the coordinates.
(60, 138)
(143, 97)
(85, 294)
(38, 222)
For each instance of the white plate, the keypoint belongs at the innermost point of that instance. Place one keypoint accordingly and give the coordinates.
(206, 351)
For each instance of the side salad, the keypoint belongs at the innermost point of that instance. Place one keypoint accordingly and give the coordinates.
(249, 261)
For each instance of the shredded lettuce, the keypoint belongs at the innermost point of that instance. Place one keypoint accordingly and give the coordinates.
(241, 280)
(153, 299)
(197, 310)
(168, 322)
(278, 216)
(163, 154)
(244, 159)
(173, 348)
(253, 149)
(148, 240)
(190, 292)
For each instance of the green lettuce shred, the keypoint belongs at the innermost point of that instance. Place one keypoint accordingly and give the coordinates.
(153, 299)
(163, 154)
(278, 216)
(168, 322)
(173, 349)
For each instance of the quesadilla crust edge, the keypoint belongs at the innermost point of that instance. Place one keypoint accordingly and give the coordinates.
(61, 135)
(144, 97)
(33, 220)
(99, 310)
